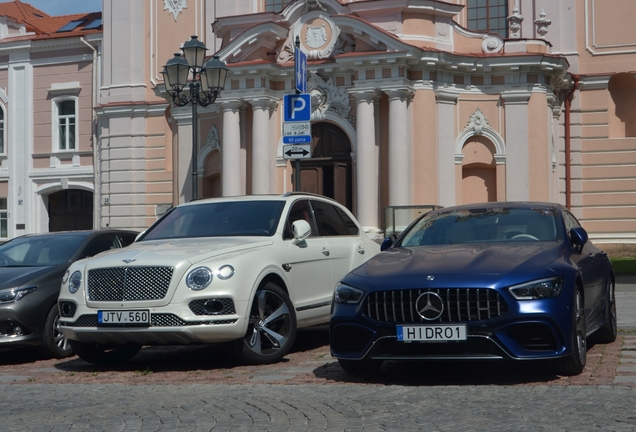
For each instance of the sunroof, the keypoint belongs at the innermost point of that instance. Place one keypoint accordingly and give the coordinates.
(70, 26)
(96, 23)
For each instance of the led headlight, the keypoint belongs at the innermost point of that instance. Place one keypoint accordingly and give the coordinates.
(199, 278)
(225, 272)
(346, 294)
(74, 282)
(15, 295)
(539, 289)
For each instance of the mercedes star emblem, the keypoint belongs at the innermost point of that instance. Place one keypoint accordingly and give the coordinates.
(429, 306)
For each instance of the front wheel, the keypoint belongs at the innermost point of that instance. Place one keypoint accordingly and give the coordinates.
(272, 327)
(104, 354)
(54, 343)
(575, 362)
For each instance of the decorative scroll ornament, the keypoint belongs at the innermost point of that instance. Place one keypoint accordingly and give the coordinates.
(326, 97)
(477, 122)
(175, 7)
(491, 44)
(213, 142)
(311, 5)
(514, 23)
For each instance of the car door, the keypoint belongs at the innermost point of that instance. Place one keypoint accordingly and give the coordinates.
(590, 263)
(346, 248)
(308, 267)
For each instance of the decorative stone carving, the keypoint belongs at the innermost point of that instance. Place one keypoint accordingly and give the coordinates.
(542, 24)
(477, 122)
(326, 97)
(491, 44)
(311, 5)
(318, 35)
(213, 142)
(514, 23)
(175, 7)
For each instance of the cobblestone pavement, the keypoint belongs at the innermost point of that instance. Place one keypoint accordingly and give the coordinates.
(198, 388)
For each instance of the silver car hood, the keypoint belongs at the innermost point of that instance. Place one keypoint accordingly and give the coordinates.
(172, 252)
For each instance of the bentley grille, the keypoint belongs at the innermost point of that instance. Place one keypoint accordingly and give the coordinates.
(460, 304)
(128, 283)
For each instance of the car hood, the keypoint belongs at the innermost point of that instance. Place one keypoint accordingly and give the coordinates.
(12, 277)
(173, 251)
(466, 259)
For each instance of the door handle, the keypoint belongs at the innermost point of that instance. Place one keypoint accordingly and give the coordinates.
(325, 251)
(360, 249)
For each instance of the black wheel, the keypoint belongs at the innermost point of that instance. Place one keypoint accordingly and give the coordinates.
(54, 343)
(104, 354)
(360, 367)
(272, 327)
(575, 362)
(609, 331)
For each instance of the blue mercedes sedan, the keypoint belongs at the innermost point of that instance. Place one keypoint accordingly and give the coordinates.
(490, 281)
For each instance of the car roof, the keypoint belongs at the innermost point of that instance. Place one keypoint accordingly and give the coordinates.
(502, 204)
(289, 196)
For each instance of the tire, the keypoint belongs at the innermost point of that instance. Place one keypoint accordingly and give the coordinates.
(360, 367)
(574, 363)
(271, 330)
(102, 354)
(609, 331)
(54, 343)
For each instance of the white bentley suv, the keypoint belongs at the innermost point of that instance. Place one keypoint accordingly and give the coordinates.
(246, 270)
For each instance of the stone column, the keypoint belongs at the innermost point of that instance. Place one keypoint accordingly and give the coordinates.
(367, 162)
(231, 177)
(517, 142)
(183, 117)
(400, 168)
(262, 157)
(446, 136)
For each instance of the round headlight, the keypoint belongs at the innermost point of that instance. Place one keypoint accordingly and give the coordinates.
(225, 272)
(74, 282)
(199, 278)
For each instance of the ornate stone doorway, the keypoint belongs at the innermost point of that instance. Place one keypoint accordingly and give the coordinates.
(70, 210)
(329, 171)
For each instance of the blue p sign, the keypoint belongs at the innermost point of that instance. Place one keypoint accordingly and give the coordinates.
(297, 107)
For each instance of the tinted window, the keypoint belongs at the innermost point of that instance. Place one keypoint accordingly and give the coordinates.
(300, 210)
(101, 244)
(332, 220)
(219, 219)
(483, 225)
(36, 251)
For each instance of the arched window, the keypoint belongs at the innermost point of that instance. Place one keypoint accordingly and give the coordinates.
(488, 16)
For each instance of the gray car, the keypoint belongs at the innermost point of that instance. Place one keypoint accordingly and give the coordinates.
(31, 272)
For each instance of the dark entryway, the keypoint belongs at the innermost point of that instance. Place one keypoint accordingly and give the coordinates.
(70, 210)
(328, 172)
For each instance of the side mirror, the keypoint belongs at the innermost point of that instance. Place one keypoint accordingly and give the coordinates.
(300, 230)
(578, 236)
(387, 243)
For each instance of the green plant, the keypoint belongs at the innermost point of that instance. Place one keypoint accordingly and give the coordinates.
(624, 265)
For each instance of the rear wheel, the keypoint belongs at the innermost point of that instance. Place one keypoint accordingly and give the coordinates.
(609, 331)
(54, 343)
(272, 327)
(104, 354)
(360, 367)
(575, 362)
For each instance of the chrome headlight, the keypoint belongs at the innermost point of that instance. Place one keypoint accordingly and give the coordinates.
(539, 289)
(347, 294)
(199, 278)
(75, 281)
(225, 272)
(15, 295)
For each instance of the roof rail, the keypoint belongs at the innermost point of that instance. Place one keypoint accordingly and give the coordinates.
(308, 194)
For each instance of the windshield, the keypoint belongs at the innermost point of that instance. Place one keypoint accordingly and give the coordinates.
(484, 225)
(39, 251)
(219, 219)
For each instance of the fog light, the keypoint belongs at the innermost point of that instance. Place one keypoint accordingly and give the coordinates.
(213, 306)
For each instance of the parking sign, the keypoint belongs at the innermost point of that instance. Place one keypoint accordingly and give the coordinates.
(297, 107)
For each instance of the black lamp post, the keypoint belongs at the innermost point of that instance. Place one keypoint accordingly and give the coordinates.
(208, 79)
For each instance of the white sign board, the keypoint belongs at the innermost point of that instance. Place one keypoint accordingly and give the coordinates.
(297, 151)
(296, 128)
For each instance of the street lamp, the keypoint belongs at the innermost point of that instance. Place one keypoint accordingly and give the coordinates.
(208, 79)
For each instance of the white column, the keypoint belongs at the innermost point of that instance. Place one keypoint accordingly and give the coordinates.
(367, 162)
(446, 136)
(183, 117)
(517, 142)
(231, 177)
(262, 157)
(400, 178)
